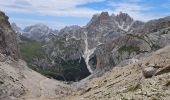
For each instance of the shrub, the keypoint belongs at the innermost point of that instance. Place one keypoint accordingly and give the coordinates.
(128, 49)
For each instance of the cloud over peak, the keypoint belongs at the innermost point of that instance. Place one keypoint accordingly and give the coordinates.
(49, 7)
(65, 11)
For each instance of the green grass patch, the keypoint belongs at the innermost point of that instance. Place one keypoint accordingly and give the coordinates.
(140, 37)
(31, 50)
(155, 30)
(65, 70)
(129, 49)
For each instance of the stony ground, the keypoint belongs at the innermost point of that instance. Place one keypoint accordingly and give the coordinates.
(129, 83)
(18, 82)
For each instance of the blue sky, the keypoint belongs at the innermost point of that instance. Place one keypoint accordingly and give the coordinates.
(60, 13)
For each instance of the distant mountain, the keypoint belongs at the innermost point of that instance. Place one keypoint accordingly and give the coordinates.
(69, 30)
(36, 32)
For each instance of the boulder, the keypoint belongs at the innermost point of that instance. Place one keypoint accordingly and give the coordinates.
(148, 72)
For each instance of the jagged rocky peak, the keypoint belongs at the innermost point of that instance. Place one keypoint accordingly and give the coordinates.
(124, 17)
(99, 19)
(125, 22)
(104, 15)
(121, 21)
(8, 38)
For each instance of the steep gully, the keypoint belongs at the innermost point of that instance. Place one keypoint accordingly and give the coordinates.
(87, 53)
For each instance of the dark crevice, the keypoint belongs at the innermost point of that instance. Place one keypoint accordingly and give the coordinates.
(93, 62)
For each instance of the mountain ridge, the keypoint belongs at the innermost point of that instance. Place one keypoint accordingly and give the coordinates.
(106, 41)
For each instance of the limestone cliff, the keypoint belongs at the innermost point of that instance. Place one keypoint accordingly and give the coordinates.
(8, 38)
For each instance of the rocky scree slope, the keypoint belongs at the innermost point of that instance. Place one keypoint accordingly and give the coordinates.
(18, 82)
(131, 82)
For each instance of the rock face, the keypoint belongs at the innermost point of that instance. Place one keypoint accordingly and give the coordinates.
(8, 38)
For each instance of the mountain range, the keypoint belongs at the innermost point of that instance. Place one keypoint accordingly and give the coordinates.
(111, 55)
(36, 32)
(103, 43)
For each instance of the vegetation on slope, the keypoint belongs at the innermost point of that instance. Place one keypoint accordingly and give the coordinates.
(32, 50)
(65, 70)
(129, 49)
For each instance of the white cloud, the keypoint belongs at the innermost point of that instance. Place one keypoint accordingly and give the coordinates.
(71, 8)
(49, 7)
(134, 8)
(129, 7)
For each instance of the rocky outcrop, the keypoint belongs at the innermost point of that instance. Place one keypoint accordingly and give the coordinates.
(8, 38)
(149, 72)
